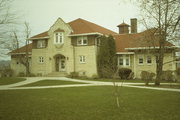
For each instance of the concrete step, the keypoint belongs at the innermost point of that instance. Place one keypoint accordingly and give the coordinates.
(57, 74)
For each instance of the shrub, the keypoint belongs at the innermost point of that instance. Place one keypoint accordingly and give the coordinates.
(73, 75)
(95, 76)
(147, 76)
(178, 71)
(21, 74)
(131, 76)
(167, 76)
(124, 73)
(7, 73)
(32, 75)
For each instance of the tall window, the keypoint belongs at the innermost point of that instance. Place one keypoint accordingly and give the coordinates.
(41, 59)
(121, 60)
(141, 59)
(149, 60)
(82, 59)
(58, 38)
(82, 40)
(41, 44)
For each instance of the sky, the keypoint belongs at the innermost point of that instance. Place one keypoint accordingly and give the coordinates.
(41, 14)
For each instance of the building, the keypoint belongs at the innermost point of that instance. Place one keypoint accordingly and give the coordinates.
(72, 47)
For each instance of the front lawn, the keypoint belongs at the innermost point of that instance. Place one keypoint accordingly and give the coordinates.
(51, 82)
(89, 103)
(10, 80)
(163, 86)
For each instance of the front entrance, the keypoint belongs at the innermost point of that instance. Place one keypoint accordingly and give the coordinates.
(60, 63)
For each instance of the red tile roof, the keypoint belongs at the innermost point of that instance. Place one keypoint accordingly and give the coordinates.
(80, 26)
(123, 24)
(23, 49)
(44, 34)
(143, 39)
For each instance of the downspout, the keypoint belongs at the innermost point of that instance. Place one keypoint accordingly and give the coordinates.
(74, 58)
(96, 45)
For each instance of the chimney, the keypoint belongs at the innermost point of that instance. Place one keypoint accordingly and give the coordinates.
(134, 25)
(123, 28)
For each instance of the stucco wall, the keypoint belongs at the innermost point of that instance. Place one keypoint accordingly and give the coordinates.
(18, 67)
(90, 65)
(152, 67)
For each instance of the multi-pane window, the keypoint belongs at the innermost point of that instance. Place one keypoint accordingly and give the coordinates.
(82, 40)
(141, 59)
(121, 60)
(41, 44)
(124, 60)
(58, 38)
(149, 60)
(82, 59)
(41, 59)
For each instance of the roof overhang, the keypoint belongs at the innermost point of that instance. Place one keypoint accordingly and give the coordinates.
(145, 48)
(23, 53)
(39, 38)
(95, 33)
(124, 53)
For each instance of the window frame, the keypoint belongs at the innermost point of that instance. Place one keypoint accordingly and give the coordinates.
(41, 59)
(147, 59)
(141, 56)
(58, 38)
(124, 58)
(81, 39)
(40, 44)
(82, 59)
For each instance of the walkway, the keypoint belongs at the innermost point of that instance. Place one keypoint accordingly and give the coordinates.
(29, 80)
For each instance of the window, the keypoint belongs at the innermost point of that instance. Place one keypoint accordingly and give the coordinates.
(41, 59)
(41, 44)
(149, 60)
(82, 59)
(82, 40)
(121, 60)
(141, 60)
(98, 42)
(58, 38)
(124, 60)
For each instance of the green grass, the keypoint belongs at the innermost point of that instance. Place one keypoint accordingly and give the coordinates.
(163, 86)
(89, 103)
(10, 80)
(119, 80)
(110, 80)
(51, 82)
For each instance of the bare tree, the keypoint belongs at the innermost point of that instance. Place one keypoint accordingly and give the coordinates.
(7, 20)
(163, 15)
(22, 58)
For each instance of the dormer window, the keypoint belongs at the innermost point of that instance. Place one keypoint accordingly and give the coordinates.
(58, 38)
(82, 40)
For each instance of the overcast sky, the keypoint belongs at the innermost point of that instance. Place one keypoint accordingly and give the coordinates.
(41, 14)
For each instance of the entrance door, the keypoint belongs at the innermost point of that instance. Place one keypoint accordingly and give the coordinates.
(62, 64)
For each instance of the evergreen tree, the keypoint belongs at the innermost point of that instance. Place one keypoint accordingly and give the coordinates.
(107, 60)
